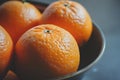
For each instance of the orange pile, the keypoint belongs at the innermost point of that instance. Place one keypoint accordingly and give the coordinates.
(46, 45)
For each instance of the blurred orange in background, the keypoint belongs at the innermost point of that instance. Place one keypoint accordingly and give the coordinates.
(17, 17)
(11, 76)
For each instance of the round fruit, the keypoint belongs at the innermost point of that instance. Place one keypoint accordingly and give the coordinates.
(17, 17)
(71, 16)
(46, 51)
(6, 47)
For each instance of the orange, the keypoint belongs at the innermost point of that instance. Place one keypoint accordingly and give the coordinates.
(46, 51)
(11, 76)
(71, 16)
(6, 47)
(17, 17)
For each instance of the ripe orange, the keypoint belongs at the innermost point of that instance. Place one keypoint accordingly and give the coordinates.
(46, 51)
(11, 76)
(71, 16)
(6, 47)
(17, 17)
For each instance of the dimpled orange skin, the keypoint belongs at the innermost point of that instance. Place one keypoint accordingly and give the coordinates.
(6, 46)
(71, 16)
(17, 17)
(46, 51)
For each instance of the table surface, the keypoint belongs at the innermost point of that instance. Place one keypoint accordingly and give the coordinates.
(106, 13)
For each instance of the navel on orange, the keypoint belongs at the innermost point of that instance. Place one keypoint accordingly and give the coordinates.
(71, 16)
(46, 51)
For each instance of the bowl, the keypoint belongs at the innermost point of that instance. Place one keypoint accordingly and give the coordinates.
(91, 52)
